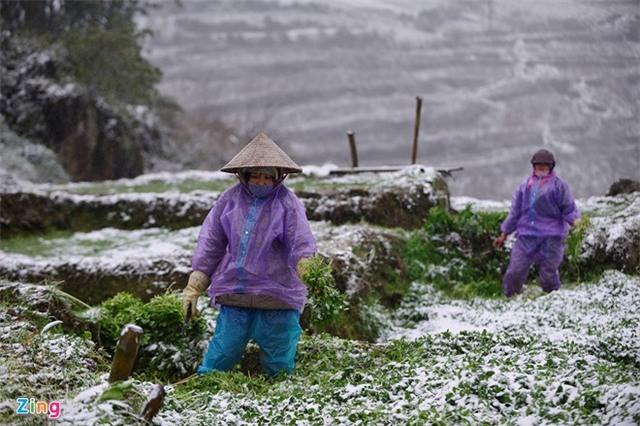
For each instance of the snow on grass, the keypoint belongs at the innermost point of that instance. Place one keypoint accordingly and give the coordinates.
(569, 357)
(519, 371)
(106, 250)
(602, 317)
(617, 225)
(168, 178)
(459, 203)
(39, 364)
(406, 174)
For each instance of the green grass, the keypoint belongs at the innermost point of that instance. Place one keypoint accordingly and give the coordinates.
(109, 188)
(70, 243)
(306, 184)
(574, 267)
(455, 253)
(36, 245)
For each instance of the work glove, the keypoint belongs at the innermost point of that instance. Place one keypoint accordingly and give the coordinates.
(198, 282)
(577, 222)
(499, 242)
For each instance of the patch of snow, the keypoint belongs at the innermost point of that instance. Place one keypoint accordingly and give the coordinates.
(50, 326)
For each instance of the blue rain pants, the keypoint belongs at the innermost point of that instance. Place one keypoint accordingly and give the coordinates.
(546, 251)
(276, 331)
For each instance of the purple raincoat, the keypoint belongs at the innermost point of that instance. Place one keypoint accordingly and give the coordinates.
(250, 245)
(542, 207)
(542, 211)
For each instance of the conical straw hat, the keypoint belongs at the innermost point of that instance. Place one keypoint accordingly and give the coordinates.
(261, 152)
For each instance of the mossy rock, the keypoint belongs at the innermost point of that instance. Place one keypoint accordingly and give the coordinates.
(390, 205)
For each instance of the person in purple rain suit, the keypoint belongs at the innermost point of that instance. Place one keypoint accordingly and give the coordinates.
(251, 254)
(542, 211)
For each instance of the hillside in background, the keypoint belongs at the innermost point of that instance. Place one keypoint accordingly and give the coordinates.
(498, 79)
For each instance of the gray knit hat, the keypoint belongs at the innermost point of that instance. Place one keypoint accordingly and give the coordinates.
(261, 152)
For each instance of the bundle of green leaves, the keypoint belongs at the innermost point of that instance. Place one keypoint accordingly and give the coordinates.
(324, 299)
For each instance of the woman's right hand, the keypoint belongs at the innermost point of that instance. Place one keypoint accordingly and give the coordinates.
(499, 242)
(198, 282)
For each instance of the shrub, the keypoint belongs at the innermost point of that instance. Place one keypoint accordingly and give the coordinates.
(455, 253)
(164, 353)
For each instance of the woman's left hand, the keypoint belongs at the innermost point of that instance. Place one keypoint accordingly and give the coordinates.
(302, 268)
(498, 242)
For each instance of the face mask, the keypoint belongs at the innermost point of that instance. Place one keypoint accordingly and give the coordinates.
(540, 173)
(260, 191)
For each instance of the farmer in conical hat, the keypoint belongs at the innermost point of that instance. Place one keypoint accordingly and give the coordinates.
(542, 211)
(250, 255)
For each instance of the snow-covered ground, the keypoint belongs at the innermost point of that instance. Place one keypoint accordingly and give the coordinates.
(570, 357)
(567, 358)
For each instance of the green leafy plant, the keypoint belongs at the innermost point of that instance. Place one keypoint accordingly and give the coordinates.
(455, 253)
(162, 319)
(164, 353)
(117, 312)
(574, 267)
(324, 298)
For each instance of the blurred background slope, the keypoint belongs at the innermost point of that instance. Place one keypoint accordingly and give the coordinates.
(498, 79)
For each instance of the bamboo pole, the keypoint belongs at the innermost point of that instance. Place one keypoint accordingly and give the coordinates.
(354, 152)
(156, 399)
(416, 129)
(126, 352)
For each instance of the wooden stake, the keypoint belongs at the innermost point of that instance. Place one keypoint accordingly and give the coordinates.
(156, 399)
(354, 153)
(416, 129)
(126, 352)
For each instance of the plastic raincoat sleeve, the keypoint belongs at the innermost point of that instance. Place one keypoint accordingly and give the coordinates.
(511, 222)
(567, 204)
(212, 241)
(298, 234)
